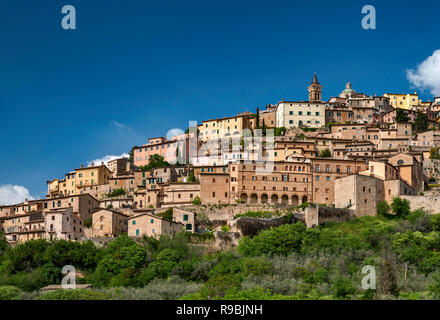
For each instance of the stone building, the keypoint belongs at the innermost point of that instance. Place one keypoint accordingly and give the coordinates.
(186, 218)
(359, 193)
(22, 227)
(152, 226)
(109, 223)
(63, 224)
(82, 204)
(178, 193)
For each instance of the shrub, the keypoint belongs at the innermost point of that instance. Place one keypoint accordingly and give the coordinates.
(168, 214)
(343, 288)
(9, 293)
(74, 294)
(225, 228)
(196, 201)
(434, 288)
(256, 214)
(257, 266)
(116, 193)
(158, 289)
(383, 208)
(220, 285)
(88, 223)
(400, 207)
(326, 153)
(256, 293)
(282, 240)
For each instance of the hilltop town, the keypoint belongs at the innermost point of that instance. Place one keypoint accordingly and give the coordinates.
(322, 160)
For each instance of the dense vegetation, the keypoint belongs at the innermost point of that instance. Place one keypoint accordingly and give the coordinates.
(116, 193)
(155, 161)
(287, 262)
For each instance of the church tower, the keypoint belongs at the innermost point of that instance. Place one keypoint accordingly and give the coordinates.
(315, 90)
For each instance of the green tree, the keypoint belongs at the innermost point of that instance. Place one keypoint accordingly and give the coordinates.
(257, 119)
(280, 131)
(326, 153)
(421, 122)
(196, 201)
(434, 153)
(9, 293)
(401, 116)
(342, 288)
(400, 207)
(282, 240)
(131, 154)
(168, 214)
(155, 161)
(88, 223)
(116, 192)
(434, 288)
(383, 208)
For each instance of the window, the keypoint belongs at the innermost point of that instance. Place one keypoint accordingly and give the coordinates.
(134, 222)
(151, 220)
(189, 226)
(137, 232)
(185, 217)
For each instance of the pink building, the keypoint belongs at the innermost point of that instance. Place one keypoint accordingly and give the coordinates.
(173, 151)
(390, 116)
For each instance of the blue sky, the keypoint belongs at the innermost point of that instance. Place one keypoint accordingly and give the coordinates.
(135, 69)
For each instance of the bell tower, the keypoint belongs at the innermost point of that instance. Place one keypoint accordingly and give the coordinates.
(315, 90)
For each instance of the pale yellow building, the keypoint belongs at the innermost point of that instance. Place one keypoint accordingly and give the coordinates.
(403, 101)
(77, 181)
(226, 127)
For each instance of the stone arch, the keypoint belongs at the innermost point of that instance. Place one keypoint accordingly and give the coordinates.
(243, 198)
(254, 198)
(295, 200)
(264, 198)
(274, 198)
(285, 199)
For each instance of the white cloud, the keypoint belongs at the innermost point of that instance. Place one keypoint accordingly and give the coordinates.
(427, 74)
(10, 194)
(120, 126)
(106, 159)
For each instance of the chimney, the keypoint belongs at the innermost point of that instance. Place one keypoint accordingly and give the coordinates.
(102, 163)
(82, 166)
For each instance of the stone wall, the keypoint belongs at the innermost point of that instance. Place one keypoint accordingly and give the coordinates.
(252, 226)
(318, 215)
(431, 204)
(234, 209)
(226, 239)
(329, 214)
(431, 168)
